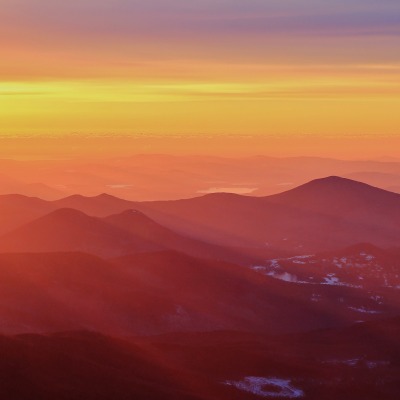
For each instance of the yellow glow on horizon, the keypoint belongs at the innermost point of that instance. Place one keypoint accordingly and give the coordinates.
(282, 102)
(129, 68)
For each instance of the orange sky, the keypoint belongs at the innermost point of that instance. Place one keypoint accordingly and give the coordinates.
(264, 69)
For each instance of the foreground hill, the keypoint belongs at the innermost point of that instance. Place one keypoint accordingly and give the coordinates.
(165, 292)
(83, 365)
(360, 363)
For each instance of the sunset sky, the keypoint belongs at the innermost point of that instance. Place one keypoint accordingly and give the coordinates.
(221, 68)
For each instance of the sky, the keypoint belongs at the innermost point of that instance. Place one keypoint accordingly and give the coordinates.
(267, 69)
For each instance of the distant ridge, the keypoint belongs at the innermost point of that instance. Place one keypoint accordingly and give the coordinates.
(326, 213)
(345, 198)
(335, 183)
(100, 205)
(323, 214)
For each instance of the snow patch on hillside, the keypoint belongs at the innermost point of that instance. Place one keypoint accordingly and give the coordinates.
(365, 310)
(267, 387)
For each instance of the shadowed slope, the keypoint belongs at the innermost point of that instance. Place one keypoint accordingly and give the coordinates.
(143, 228)
(162, 292)
(120, 234)
(90, 366)
(324, 214)
(345, 198)
(360, 362)
(72, 230)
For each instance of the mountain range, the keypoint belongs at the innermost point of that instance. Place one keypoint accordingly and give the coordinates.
(321, 215)
(160, 177)
(221, 296)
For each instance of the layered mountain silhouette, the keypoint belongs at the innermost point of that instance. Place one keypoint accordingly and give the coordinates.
(151, 282)
(101, 205)
(324, 214)
(140, 226)
(222, 296)
(71, 230)
(160, 177)
(16, 210)
(9, 185)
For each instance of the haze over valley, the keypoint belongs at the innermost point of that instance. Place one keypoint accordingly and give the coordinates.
(184, 287)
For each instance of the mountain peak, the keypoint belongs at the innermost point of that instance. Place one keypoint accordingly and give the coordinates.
(65, 213)
(333, 180)
(343, 198)
(76, 196)
(334, 186)
(105, 196)
(132, 220)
